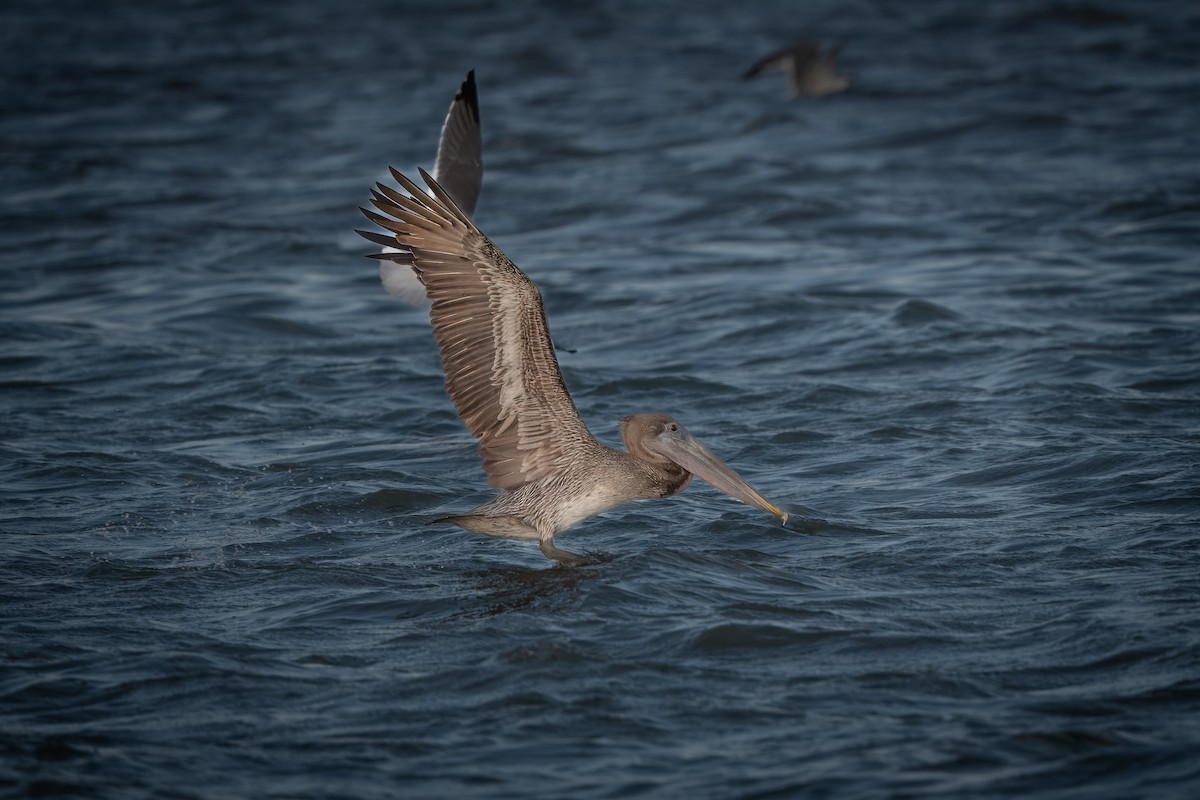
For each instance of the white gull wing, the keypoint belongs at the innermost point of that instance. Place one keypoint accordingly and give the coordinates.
(459, 165)
(488, 319)
(459, 169)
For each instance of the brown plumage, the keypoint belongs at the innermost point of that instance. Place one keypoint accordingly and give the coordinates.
(503, 376)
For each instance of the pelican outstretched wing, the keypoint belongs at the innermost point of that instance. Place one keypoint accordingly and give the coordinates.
(490, 326)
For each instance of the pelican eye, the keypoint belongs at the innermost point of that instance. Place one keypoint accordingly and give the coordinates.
(673, 427)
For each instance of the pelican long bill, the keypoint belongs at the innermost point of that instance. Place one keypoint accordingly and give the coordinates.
(687, 451)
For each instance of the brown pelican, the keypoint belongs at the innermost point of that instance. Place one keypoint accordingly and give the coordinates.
(810, 70)
(502, 373)
(459, 169)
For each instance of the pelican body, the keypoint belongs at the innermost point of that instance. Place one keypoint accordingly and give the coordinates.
(503, 376)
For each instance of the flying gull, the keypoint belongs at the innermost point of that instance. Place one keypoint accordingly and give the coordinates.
(810, 70)
(459, 169)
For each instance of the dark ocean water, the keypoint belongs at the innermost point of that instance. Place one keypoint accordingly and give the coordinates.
(950, 318)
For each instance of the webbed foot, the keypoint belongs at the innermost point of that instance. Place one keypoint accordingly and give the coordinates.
(561, 556)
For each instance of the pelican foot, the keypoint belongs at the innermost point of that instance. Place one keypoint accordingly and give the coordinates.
(561, 556)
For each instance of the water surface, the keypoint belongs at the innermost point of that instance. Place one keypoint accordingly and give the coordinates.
(948, 318)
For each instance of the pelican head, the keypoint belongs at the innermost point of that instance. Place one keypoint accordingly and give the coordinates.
(660, 440)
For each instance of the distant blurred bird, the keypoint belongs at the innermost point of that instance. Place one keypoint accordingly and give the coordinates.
(810, 70)
(459, 171)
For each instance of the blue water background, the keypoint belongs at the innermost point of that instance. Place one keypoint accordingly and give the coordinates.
(950, 318)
